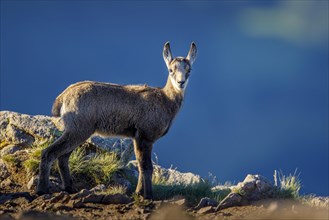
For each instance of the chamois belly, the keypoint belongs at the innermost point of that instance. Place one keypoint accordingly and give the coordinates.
(127, 127)
(116, 126)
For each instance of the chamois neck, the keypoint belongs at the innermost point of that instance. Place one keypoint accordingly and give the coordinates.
(170, 91)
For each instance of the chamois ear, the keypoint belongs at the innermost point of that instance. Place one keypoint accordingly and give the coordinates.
(192, 53)
(167, 54)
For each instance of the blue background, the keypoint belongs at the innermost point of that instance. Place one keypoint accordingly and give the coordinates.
(258, 94)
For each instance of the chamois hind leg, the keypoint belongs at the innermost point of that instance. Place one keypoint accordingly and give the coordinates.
(143, 152)
(64, 170)
(64, 145)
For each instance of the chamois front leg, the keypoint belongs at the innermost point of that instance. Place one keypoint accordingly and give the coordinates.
(143, 152)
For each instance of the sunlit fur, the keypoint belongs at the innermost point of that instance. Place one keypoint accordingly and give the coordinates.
(139, 112)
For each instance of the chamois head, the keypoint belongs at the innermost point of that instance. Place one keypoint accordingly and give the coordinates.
(179, 68)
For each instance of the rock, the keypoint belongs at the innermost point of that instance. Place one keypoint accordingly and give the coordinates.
(66, 199)
(7, 182)
(75, 204)
(254, 187)
(58, 197)
(181, 202)
(170, 176)
(233, 199)
(116, 199)
(10, 149)
(4, 173)
(45, 197)
(83, 193)
(122, 146)
(204, 202)
(99, 188)
(206, 210)
(59, 206)
(93, 198)
(143, 210)
(26, 130)
(54, 183)
(10, 197)
(146, 216)
(32, 182)
(17, 136)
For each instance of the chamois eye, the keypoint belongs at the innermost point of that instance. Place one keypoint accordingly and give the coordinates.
(170, 70)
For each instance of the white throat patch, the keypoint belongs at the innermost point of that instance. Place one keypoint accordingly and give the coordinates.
(176, 85)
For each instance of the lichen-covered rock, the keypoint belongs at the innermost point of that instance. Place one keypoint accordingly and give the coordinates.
(10, 149)
(4, 173)
(170, 176)
(22, 129)
(255, 187)
(27, 130)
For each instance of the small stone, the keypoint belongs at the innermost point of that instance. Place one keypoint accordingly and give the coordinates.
(233, 199)
(81, 194)
(146, 216)
(66, 199)
(53, 181)
(59, 206)
(181, 202)
(143, 210)
(93, 198)
(204, 202)
(75, 203)
(58, 197)
(98, 188)
(225, 214)
(43, 205)
(206, 210)
(46, 197)
(33, 182)
(7, 182)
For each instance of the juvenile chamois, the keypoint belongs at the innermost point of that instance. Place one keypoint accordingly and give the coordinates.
(139, 112)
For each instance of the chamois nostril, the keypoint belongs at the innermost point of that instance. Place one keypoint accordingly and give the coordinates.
(181, 82)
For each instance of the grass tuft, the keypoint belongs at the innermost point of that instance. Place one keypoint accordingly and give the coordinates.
(116, 190)
(96, 168)
(10, 159)
(100, 166)
(32, 164)
(288, 186)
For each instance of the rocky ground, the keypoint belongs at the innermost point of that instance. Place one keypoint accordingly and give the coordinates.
(63, 206)
(253, 198)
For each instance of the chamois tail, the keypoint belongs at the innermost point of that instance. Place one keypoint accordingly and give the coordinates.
(56, 109)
